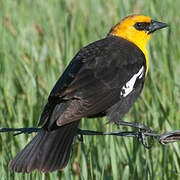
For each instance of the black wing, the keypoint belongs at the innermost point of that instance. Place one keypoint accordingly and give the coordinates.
(92, 82)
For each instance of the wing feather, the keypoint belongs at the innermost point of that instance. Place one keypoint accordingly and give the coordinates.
(93, 80)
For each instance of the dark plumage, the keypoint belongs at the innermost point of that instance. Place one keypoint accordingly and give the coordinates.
(48, 151)
(92, 82)
(89, 87)
(104, 78)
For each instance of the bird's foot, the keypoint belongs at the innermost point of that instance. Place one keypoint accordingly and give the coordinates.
(142, 133)
(147, 142)
(134, 125)
(80, 136)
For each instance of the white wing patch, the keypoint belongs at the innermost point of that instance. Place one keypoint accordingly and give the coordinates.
(128, 87)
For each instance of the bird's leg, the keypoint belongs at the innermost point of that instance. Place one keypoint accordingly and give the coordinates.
(141, 135)
(80, 136)
(143, 139)
(134, 125)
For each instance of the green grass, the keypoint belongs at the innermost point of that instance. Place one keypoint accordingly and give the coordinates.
(37, 41)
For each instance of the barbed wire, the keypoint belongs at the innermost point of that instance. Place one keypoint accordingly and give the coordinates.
(165, 138)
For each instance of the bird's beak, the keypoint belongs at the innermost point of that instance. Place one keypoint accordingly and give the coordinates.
(155, 25)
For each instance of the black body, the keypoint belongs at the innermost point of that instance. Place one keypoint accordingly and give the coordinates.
(91, 86)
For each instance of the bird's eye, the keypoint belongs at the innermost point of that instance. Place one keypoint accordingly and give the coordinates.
(141, 26)
(138, 25)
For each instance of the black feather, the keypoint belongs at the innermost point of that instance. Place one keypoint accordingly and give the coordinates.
(48, 150)
(90, 86)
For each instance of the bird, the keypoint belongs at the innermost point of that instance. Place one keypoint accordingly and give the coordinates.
(105, 78)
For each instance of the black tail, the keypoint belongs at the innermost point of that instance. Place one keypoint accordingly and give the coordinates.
(48, 151)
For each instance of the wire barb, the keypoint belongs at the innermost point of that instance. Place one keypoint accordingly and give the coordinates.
(163, 139)
(20, 130)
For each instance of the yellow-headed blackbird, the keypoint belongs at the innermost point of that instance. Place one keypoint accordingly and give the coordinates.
(104, 78)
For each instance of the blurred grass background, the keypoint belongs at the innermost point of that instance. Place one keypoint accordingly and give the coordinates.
(37, 41)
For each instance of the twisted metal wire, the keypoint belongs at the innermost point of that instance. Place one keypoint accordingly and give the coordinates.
(165, 138)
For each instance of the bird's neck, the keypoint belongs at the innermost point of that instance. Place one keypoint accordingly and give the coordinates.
(140, 39)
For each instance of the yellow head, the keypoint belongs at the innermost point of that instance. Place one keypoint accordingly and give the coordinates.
(138, 30)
